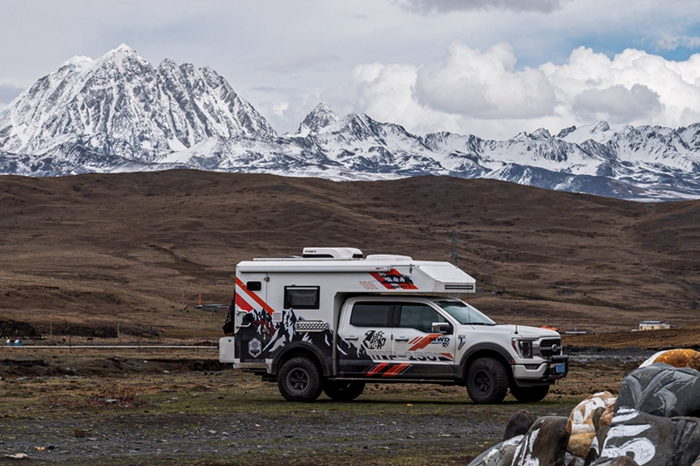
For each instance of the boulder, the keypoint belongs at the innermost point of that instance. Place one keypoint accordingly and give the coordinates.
(619, 461)
(498, 455)
(649, 440)
(580, 444)
(676, 358)
(661, 390)
(583, 416)
(573, 460)
(687, 441)
(607, 416)
(544, 444)
(518, 424)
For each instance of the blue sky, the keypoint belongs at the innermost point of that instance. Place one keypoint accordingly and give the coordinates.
(485, 67)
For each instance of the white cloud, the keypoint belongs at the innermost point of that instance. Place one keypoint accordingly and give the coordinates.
(484, 85)
(617, 104)
(448, 6)
(483, 93)
(669, 42)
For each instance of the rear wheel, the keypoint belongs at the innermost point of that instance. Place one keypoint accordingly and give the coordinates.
(487, 381)
(343, 391)
(529, 394)
(299, 379)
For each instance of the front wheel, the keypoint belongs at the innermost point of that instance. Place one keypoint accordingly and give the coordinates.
(343, 391)
(299, 379)
(487, 381)
(529, 394)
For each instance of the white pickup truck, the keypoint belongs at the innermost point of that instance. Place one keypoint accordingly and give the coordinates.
(331, 320)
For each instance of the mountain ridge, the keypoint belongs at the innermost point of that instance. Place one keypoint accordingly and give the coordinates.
(118, 113)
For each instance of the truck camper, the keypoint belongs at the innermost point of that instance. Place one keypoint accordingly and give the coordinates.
(332, 320)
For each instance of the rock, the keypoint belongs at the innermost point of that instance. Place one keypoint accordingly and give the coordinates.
(676, 358)
(498, 455)
(661, 390)
(607, 416)
(580, 444)
(582, 417)
(573, 460)
(518, 424)
(619, 461)
(687, 441)
(544, 444)
(648, 439)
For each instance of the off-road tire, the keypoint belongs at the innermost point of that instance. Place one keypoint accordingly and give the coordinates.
(487, 381)
(299, 379)
(529, 394)
(342, 390)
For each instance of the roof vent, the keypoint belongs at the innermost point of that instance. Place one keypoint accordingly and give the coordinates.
(332, 253)
(389, 258)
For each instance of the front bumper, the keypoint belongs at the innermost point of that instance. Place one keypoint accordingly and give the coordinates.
(545, 372)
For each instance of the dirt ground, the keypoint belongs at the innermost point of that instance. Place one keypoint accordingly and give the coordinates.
(96, 407)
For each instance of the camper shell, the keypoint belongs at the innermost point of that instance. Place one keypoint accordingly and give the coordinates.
(345, 319)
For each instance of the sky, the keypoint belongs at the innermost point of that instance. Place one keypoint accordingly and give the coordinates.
(492, 68)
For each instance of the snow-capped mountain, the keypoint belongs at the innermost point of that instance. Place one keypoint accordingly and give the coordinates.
(118, 113)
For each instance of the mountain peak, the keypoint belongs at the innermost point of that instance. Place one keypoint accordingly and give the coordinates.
(320, 117)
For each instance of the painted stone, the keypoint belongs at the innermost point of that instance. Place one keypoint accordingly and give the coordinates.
(518, 424)
(607, 416)
(573, 460)
(687, 440)
(676, 358)
(498, 455)
(619, 461)
(544, 444)
(661, 390)
(580, 444)
(582, 417)
(649, 440)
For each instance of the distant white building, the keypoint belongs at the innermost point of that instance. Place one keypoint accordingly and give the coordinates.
(654, 325)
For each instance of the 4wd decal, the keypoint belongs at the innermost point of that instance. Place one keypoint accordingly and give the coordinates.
(394, 280)
(374, 339)
(431, 339)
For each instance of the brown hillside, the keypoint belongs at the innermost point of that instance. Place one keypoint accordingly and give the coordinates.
(94, 251)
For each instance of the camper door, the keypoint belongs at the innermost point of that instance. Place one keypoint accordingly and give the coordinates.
(253, 317)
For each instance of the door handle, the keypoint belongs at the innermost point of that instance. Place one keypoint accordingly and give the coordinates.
(351, 337)
(401, 338)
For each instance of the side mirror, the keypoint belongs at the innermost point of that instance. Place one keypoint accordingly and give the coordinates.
(442, 327)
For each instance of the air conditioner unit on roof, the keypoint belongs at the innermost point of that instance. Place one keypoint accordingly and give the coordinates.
(332, 253)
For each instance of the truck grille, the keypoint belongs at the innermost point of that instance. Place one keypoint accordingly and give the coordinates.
(549, 348)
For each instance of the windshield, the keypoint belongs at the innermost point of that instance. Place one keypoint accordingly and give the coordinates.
(464, 313)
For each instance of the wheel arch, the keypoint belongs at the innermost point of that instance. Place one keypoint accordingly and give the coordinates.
(486, 350)
(302, 349)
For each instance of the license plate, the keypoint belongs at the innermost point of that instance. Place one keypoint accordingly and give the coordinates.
(560, 368)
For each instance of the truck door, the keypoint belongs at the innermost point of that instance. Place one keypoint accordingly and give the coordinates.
(422, 352)
(366, 339)
(253, 318)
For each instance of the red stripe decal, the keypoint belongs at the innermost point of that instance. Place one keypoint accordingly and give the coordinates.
(253, 296)
(425, 341)
(376, 369)
(242, 304)
(396, 370)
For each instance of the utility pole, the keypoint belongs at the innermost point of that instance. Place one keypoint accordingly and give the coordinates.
(454, 256)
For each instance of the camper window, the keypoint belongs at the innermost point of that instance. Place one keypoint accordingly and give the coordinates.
(370, 315)
(301, 297)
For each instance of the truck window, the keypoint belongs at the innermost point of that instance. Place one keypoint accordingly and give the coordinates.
(301, 297)
(419, 317)
(370, 315)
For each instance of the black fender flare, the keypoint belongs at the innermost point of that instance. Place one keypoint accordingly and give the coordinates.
(486, 348)
(281, 354)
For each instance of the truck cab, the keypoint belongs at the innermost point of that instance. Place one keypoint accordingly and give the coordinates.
(332, 320)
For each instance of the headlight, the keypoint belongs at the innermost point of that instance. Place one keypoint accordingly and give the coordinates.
(523, 348)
